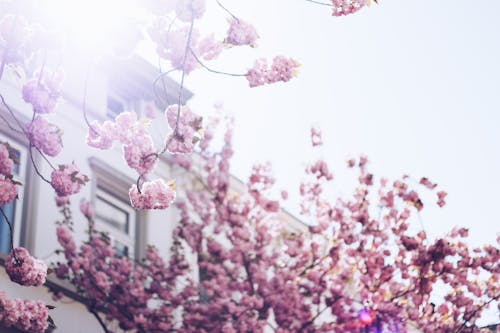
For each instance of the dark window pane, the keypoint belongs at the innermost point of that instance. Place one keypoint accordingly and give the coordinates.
(112, 215)
(4, 227)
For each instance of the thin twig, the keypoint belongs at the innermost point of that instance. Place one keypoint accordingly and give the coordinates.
(13, 115)
(212, 70)
(320, 3)
(227, 11)
(186, 51)
(34, 165)
(155, 82)
(101, 322)
(466, 320)
(23, 130)
(84, 103)
(179, 100)
(9, 125)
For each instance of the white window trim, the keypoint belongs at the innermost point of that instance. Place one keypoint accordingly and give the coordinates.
(126, 238)
(21, 177)
(116, 185)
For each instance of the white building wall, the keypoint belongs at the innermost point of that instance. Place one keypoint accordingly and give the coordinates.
(69, 315)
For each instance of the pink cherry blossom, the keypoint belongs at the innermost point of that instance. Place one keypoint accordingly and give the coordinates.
(441, 195)
(101, 136)
(86, 208)
(44, 136)
(316, 138)
(24, 269)
(171, 45)
(282, 69)
(8, 190)
(43, 93)
(67, 179)
(240, 33)
(346, 7)
(188, 129)
(25, 315)
(140, 153)
(155, 194)
(6, 162)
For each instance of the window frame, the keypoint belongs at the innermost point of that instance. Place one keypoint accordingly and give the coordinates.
(26, 204)
(126, 238)
(114, 185)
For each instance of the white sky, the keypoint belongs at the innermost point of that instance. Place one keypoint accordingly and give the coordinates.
(415, 85)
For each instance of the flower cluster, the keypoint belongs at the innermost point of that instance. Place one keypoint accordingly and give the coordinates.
(316, 137)
(67, 180)
(14, 37)
(358, 259)
(346, 7)
(6, 162)
(44, 136)
(124, 290)
(140, 153)
(240, 33)
(86, 209)
(8, 190)
(282, 69)
(138, 146)
(24, 269)
(155, 194)
(25, 315)
(171, 45)
(187, 129)
(43, 90)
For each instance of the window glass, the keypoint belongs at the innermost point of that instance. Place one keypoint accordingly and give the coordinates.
(112, 214)
(12, 210)
(117, 219)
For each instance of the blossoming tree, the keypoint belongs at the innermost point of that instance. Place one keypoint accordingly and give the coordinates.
(357, 268)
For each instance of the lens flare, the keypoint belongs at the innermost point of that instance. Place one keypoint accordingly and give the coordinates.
(366, 317)
(94, 25)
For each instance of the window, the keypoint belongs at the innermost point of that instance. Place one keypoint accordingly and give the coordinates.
(112, 211)
(14, 210)
(116, 218)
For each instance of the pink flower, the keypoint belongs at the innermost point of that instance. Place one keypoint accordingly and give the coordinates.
(171, 45)
(154, 195)
(427, 183)
(282, 69)
(101, 136)
(25, 315)
(61, 201)
(8, 190)
(86, 209)
(346, 7)
(44, 136)
(441, 195)
(140, 153)
(67, 180)
(208, 48)
(240, 33)
(66, 240)
(6, 162)
(188, 129)
(43, 93)
(24, 269)
(316, 138)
